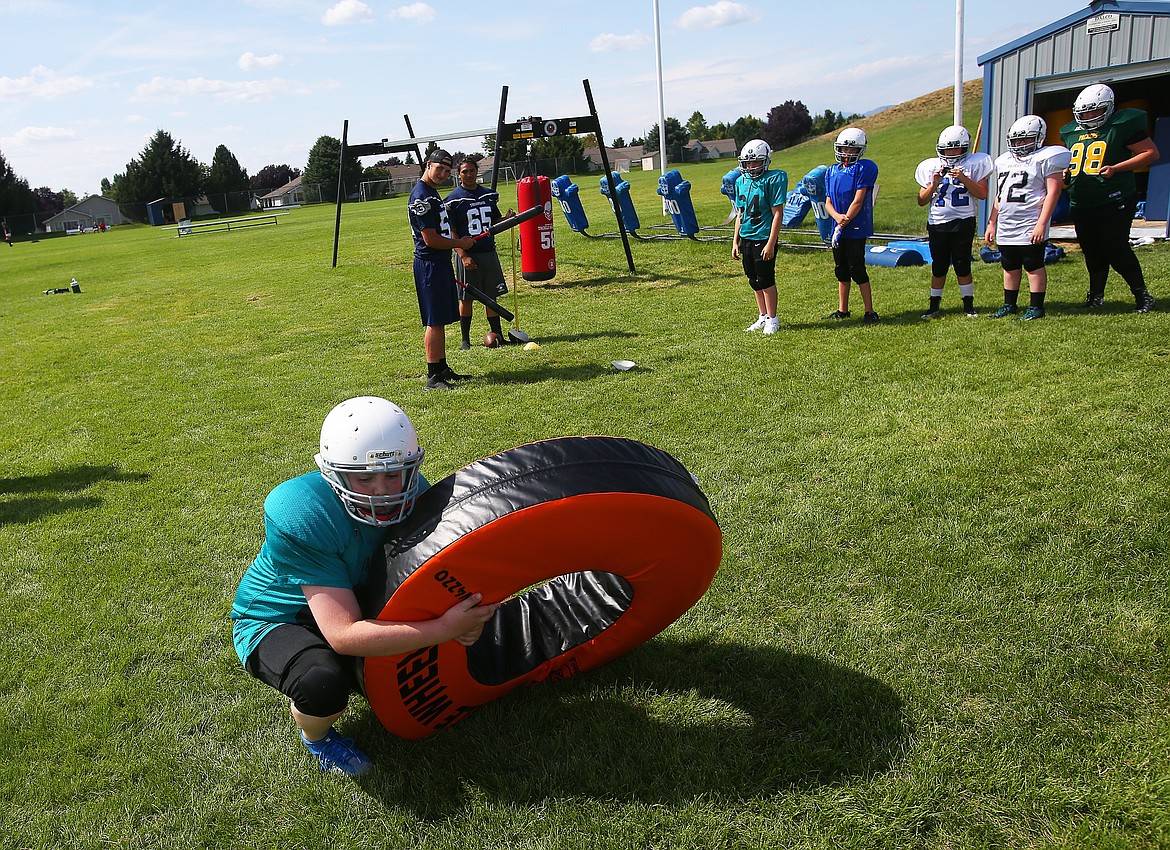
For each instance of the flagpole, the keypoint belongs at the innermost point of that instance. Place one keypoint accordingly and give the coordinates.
(661, 101)
(959, 61)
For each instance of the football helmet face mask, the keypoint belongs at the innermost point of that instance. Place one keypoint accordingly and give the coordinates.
(755, 157)
(850, 145)
(1094, 107)
(954, 143)
(367, 436)
(1026, 135)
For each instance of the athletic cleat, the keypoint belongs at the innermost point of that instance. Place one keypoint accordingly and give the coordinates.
(1032, 313)
(870, 318)
(465, 345)
(970, 312)
(1005, 310)
(1092, 301)
(758, 324)
(932, 314)
(338, 755)
(436, 382)
(1145, 303)
(450, 375)
(837, 315)
(771, 325)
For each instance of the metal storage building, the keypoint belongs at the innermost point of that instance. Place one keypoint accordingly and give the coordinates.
(1122, 43)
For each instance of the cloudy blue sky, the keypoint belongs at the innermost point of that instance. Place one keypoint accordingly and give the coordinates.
(84, 85)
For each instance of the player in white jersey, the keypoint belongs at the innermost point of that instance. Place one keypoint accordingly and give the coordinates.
(952, 183)
(1029, 178)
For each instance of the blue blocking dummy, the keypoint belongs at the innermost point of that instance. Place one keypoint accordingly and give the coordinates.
(728, 186)
(623, 203)
(796, 207)
(812, 186)
(567, 194)
(677, 193)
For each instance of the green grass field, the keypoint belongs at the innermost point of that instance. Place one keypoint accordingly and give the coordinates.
(941, 619)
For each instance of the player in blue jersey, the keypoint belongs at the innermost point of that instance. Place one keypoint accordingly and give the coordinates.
(472, 209)
(849, 188)
(759, 211)
(434, 280)
(296, 620)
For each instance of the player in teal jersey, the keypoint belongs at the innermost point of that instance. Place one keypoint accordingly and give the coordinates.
(759, 211)
(1108, 145)
(297, 624)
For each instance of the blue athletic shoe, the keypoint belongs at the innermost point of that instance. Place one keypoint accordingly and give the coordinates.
(338, 755)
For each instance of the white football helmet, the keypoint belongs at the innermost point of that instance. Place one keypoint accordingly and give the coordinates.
(368, 435)
(1026, 135)
(755, 157)
(850, 145)
(951, 139)
(1096, 98)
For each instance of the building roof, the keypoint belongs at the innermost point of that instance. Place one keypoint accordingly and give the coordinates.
(295, 183)
(1097, 7)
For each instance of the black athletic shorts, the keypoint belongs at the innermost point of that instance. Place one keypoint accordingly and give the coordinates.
(950, 245)
(1012, 257)
(761, 273)
(487, 277)
(300, 663)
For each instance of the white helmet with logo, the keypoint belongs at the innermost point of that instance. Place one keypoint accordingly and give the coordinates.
(366, 436)
(755, 157)
(850, 145)
(1026, 135)
(1094, 106)
(951, 139)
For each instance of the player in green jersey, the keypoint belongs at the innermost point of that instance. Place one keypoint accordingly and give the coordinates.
(1107, 145)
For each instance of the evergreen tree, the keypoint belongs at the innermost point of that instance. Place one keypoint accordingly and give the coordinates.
(16, 198)
(227, 183)
(320, 177)
(676, 139)
(164, 169)
(697, 127)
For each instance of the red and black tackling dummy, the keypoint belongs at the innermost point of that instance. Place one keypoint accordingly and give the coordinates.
(614, 538)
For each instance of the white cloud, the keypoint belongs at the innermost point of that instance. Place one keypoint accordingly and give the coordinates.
(33, 136)
(250, 61)
(608, 42)
(347, 12)
(224, 91)
(888, 67)
(417, 13)
(43, 84)
(722, 14)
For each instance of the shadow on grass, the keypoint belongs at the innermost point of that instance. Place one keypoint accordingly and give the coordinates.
(668, 723)
(543, 340)
(584, 372)
(28, 507)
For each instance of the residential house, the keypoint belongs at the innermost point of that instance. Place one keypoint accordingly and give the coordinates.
(86, 215)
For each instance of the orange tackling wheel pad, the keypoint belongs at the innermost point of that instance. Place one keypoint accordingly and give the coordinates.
(615, 535)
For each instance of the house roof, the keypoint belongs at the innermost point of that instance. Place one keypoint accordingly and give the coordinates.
(285, 189)
(76, 208)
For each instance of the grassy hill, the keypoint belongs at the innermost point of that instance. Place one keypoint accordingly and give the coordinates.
(942, 613)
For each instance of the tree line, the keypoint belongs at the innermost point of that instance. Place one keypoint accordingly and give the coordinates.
(165, 169)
